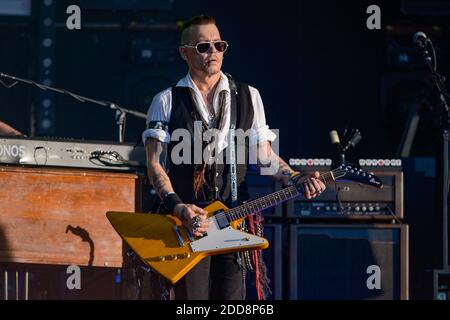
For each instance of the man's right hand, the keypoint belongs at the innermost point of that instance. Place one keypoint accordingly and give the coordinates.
(187, 213)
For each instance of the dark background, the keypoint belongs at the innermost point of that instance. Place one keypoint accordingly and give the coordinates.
(315, 63)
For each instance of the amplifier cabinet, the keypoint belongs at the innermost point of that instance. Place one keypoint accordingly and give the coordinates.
(348, 262)
(345, 200)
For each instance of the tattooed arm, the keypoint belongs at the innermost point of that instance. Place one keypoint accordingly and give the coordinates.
(156, 163)
(273, 165)
(270, 163)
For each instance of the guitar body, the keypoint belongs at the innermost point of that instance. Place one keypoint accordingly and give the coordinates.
(164, 244)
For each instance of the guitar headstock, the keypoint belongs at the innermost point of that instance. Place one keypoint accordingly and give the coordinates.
(352, 173)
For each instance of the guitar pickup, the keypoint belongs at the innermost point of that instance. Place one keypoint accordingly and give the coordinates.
(178, 234)
(222, 220)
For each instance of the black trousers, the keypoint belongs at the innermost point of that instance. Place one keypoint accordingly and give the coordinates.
(216, 277)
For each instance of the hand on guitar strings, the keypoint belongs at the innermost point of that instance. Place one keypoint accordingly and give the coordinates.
(313, 187)
(193, 218)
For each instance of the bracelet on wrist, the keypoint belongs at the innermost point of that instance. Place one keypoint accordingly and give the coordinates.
(171, 200)
(294, 174)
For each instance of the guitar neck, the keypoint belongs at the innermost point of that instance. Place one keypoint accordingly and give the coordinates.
(271, 200)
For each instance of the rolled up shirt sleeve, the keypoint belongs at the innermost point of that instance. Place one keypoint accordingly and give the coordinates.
(260, 130)
(158, 117)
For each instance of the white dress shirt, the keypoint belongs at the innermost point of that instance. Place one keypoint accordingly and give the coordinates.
(161, 108)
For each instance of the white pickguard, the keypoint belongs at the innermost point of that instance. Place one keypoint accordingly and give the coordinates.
(224, 239)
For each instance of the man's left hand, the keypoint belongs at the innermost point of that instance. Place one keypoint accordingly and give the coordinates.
(311, 184)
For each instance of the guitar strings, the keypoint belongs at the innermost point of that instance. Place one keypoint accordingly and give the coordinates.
(235, 211)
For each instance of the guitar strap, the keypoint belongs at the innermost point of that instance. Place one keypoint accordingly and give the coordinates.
(232, 144)
(232, 149)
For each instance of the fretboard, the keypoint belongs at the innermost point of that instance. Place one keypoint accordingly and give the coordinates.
(270, 200)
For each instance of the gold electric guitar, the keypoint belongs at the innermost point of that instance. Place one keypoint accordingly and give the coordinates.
(165, 245)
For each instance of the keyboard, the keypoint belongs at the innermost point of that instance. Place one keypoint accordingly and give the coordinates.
(71, 153)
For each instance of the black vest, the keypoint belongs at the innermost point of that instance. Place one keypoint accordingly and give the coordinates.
(181, 176)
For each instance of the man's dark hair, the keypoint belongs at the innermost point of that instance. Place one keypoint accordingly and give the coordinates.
(194, 21)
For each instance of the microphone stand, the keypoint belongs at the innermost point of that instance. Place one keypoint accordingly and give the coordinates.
(341, 149)
(120, 112)
(340, 159)
(445, 126)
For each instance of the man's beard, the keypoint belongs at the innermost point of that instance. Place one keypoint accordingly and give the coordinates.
(212, 70)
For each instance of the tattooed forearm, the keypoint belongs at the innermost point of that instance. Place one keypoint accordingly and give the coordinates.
(160, 181)
(156, 159)
(284, 170)
(161, 153)
(284, 167)
(268, 158)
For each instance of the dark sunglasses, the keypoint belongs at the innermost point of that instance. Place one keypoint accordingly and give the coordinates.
(204, 46)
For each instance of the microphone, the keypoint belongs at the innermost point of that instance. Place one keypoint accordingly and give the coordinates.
(356, 137)
(334, 137)
(340, 158)
(420, 39)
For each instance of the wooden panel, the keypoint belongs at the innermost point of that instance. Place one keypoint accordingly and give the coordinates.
(57, 216)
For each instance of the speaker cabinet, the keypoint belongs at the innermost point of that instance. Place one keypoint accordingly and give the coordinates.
(272, 257)
(348, 262)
